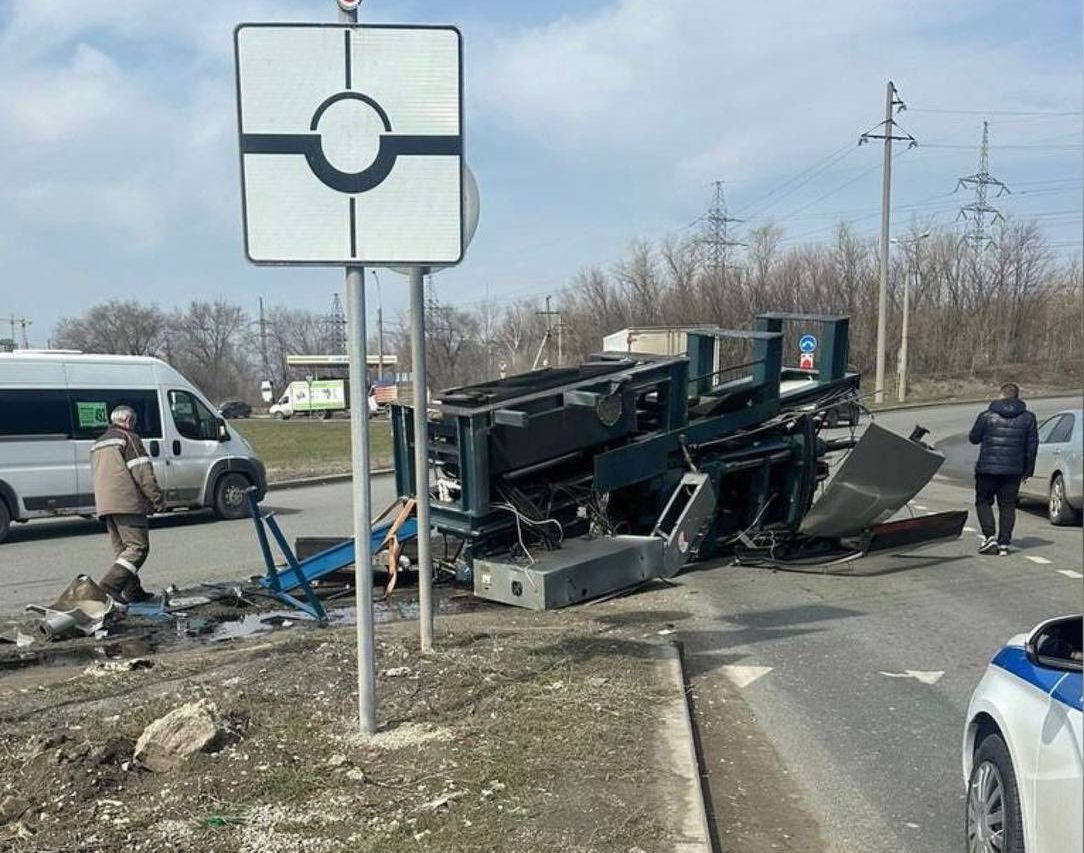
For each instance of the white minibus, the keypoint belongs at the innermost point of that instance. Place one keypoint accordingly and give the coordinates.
(53, 405)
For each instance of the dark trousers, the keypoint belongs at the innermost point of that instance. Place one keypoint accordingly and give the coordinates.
(1004, 487)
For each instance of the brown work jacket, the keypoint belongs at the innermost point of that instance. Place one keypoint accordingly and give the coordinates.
(124, 481)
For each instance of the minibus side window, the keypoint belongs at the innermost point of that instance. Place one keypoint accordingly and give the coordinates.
(91, 408)
(34, 413)
(192, 419)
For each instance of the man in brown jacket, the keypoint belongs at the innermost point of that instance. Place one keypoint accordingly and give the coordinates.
(125, 493)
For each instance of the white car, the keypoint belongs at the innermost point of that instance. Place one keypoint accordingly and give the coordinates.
(1022, 746)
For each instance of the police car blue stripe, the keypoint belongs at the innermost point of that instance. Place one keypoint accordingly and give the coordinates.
(1068, 691)
(1015, 660)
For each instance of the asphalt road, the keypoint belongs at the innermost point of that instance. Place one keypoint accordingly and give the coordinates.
(859, 680)
(40, 558)
(856, 682)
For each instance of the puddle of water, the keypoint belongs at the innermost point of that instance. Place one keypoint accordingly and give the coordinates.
(79, 655)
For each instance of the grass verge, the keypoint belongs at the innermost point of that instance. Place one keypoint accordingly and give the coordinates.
(304, 448)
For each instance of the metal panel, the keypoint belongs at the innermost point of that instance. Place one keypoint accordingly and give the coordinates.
(880, 475)
(580, 570)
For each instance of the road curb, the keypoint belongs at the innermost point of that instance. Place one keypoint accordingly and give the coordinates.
(698, 827)
(322, 480)
(969, 401)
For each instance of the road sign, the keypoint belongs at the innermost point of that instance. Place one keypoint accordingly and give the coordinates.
(807, 343)
(805, 361)
(351, 141)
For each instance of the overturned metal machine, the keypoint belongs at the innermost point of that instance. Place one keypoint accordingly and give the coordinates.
(561, 485)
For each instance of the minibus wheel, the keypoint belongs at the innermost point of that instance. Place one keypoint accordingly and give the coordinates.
(5, 519)
(230, 495)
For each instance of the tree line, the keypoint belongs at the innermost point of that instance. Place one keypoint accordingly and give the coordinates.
(1012, 309)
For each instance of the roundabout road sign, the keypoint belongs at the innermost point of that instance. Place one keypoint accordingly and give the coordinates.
(351, 141)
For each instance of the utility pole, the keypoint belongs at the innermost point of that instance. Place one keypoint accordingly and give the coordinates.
(548, 337)
(905, 331)
(263, 342)
(976, 212)
(379, 328)
(885, 130)
(715, 237)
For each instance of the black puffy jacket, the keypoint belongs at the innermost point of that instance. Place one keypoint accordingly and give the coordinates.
(1009, 437)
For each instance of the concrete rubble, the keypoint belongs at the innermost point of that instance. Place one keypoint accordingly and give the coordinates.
(180, 735)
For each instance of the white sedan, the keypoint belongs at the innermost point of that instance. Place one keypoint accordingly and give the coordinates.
(1022, 746)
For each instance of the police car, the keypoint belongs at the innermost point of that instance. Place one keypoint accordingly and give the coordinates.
(1022, 746)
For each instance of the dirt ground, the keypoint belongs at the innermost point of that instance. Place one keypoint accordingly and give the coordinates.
(526, 732)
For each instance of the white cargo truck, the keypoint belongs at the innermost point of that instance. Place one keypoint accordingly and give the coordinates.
(317, 398)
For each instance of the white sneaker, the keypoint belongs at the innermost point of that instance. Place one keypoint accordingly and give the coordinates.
(988, 545)
(1003, 550)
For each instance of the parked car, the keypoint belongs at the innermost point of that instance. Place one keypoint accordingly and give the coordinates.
(1022, 746)
(231, 409)
(1059, 467)
(53, 406)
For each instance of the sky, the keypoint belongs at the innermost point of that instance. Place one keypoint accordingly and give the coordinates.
(589, 125)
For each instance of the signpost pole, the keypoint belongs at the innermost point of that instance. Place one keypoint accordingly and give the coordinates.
(421, 456)
(362, 494)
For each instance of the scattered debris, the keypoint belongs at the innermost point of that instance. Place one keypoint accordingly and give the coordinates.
(441, 801)
(597, 680)
(12, 808)
(174, 739)
(337, 760)
(101, 668)
(83, 608)
(397, 671)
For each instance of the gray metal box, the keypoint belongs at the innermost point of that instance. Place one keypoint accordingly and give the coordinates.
(580, 570)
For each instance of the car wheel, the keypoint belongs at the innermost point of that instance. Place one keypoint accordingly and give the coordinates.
(1057, 508)
(5, 520)
(230, 500)
(993, 804)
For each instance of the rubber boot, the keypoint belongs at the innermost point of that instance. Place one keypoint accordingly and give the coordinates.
(115, 581)
(133, 590)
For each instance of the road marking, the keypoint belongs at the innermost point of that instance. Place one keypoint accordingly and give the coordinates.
(926, 677)
(921, 507)
(970, 530)
(1069, 573)
(743, 676)
(1042, 561)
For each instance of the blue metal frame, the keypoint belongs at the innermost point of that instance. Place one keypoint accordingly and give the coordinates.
(300, 573)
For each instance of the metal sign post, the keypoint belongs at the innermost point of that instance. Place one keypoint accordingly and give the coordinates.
(358, 348)
(351, 155)
(421, 456)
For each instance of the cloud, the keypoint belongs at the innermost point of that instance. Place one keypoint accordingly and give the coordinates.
(704, 89)
(49, 104)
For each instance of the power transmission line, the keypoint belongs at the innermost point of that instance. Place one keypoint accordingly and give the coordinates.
(998, 112)
(979, 209)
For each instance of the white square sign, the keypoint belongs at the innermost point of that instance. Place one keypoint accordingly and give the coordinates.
(351, 141)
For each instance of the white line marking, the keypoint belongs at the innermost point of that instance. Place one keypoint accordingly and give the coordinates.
(1042, 561)
(920, 506)
(926, 677)
(970, 530)
(1069, 573)
(743, 676)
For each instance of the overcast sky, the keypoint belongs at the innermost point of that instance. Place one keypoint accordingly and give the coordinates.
(589, 124)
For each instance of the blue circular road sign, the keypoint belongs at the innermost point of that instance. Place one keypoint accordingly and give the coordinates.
(807, 343)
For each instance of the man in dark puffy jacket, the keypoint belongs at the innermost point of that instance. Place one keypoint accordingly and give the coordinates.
(1009, 439)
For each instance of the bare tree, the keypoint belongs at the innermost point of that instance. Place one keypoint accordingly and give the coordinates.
(118, 327)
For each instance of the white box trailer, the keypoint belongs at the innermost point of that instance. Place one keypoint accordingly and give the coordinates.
(53, 407)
